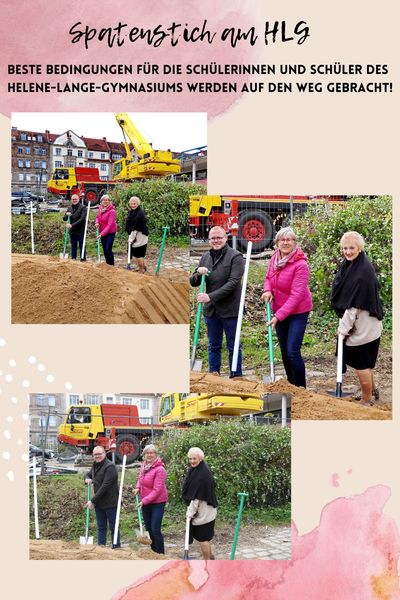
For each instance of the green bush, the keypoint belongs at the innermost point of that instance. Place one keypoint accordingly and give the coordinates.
(165, 202)
(320, 230)
(242, 456)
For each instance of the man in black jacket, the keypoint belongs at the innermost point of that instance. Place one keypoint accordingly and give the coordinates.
(224, 268)
(104, 477)
(76, 226)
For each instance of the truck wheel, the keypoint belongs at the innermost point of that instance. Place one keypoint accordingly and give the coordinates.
(127, 444)
(255, 226)
(91, 195)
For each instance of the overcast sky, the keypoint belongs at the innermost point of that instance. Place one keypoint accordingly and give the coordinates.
(175, 131)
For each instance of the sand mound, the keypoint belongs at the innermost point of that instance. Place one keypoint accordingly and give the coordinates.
(50, 290)
(59, 550)
(305, 405)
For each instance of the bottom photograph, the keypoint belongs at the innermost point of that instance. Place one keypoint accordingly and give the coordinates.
(159, 476)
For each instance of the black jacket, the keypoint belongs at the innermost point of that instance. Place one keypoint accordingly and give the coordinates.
(223, 284)
(105, 482)
(77, 219)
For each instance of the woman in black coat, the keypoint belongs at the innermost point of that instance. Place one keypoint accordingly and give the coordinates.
(198, 492)
(136, 227)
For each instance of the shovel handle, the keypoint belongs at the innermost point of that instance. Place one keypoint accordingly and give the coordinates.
(140, 516)
(87, 510)
(199, 311)
(66, 236)
(270, 340)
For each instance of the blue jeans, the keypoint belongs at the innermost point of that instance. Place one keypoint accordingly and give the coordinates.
(216, 326)
(75, 239)
(104, 515)
(107, 243)
(152, 516)
(290, 334)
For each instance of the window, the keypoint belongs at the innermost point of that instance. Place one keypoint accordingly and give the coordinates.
(53, 421)
(79, 415)
(52, 400)
(40, 137)
(28, 164)
(27, 150)
(20, 149)
(69, 152)
(43, 164)
(92, 399)
(44, 151)
(145, 420)
(144, 404)
(74, 398)
(103, 156)
(40, 400)
(58, 164)
(28, 177)
(92, 166)
(37, 164)
(90, 154)
(20, 164)
(127, 401)
(23, 136)
(44, 177)
(70, 164)
(80, 153)
(103, 167)
(58, 151)
(20, 176)
(80, 164)
(36, 150)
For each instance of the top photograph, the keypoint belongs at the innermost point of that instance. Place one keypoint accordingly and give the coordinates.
(99, 215)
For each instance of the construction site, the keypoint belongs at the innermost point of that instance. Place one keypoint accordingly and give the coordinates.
(254, 522)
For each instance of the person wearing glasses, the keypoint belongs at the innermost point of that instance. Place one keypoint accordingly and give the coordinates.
(286, 286)
(224, 268)
(104, 477)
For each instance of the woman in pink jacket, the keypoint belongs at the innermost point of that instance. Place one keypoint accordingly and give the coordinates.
(286, 287)
(107, 224)
(153, 495)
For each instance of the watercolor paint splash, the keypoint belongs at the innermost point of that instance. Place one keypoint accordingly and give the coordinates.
(55, 47)
(352, 554)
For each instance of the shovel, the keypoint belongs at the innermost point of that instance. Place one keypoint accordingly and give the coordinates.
(271, 377)
(86, 539)
(164, 237)
(142, 535)
(187, 531)
(196, 365)
(338, 393)
(64, 254)
(98, 246)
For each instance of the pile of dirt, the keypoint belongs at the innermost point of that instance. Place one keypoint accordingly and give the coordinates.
(50, 290)
(59, 550)
(306, 405)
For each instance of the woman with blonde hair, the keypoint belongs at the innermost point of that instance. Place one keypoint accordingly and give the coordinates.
(136, 227)
(355, 299)
(286, 286)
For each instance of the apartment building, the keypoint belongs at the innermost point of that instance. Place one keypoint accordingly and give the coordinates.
(46, 413)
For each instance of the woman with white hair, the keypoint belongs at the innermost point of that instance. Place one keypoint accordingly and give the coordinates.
(153, 495)
(286, 287)
(136, 227)
(107, 224)
(198, 493)
(355, 299)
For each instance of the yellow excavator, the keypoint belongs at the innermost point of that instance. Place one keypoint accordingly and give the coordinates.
(149, 162)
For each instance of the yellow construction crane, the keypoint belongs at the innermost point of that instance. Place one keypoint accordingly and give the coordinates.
(150, 162)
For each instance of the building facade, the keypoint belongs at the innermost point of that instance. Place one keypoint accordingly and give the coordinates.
(46, 413)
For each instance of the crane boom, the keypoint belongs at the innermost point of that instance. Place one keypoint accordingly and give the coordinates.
(150, 163)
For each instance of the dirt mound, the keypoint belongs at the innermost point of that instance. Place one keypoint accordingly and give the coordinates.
(305, 405)
(50, 290)
(59, 550)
